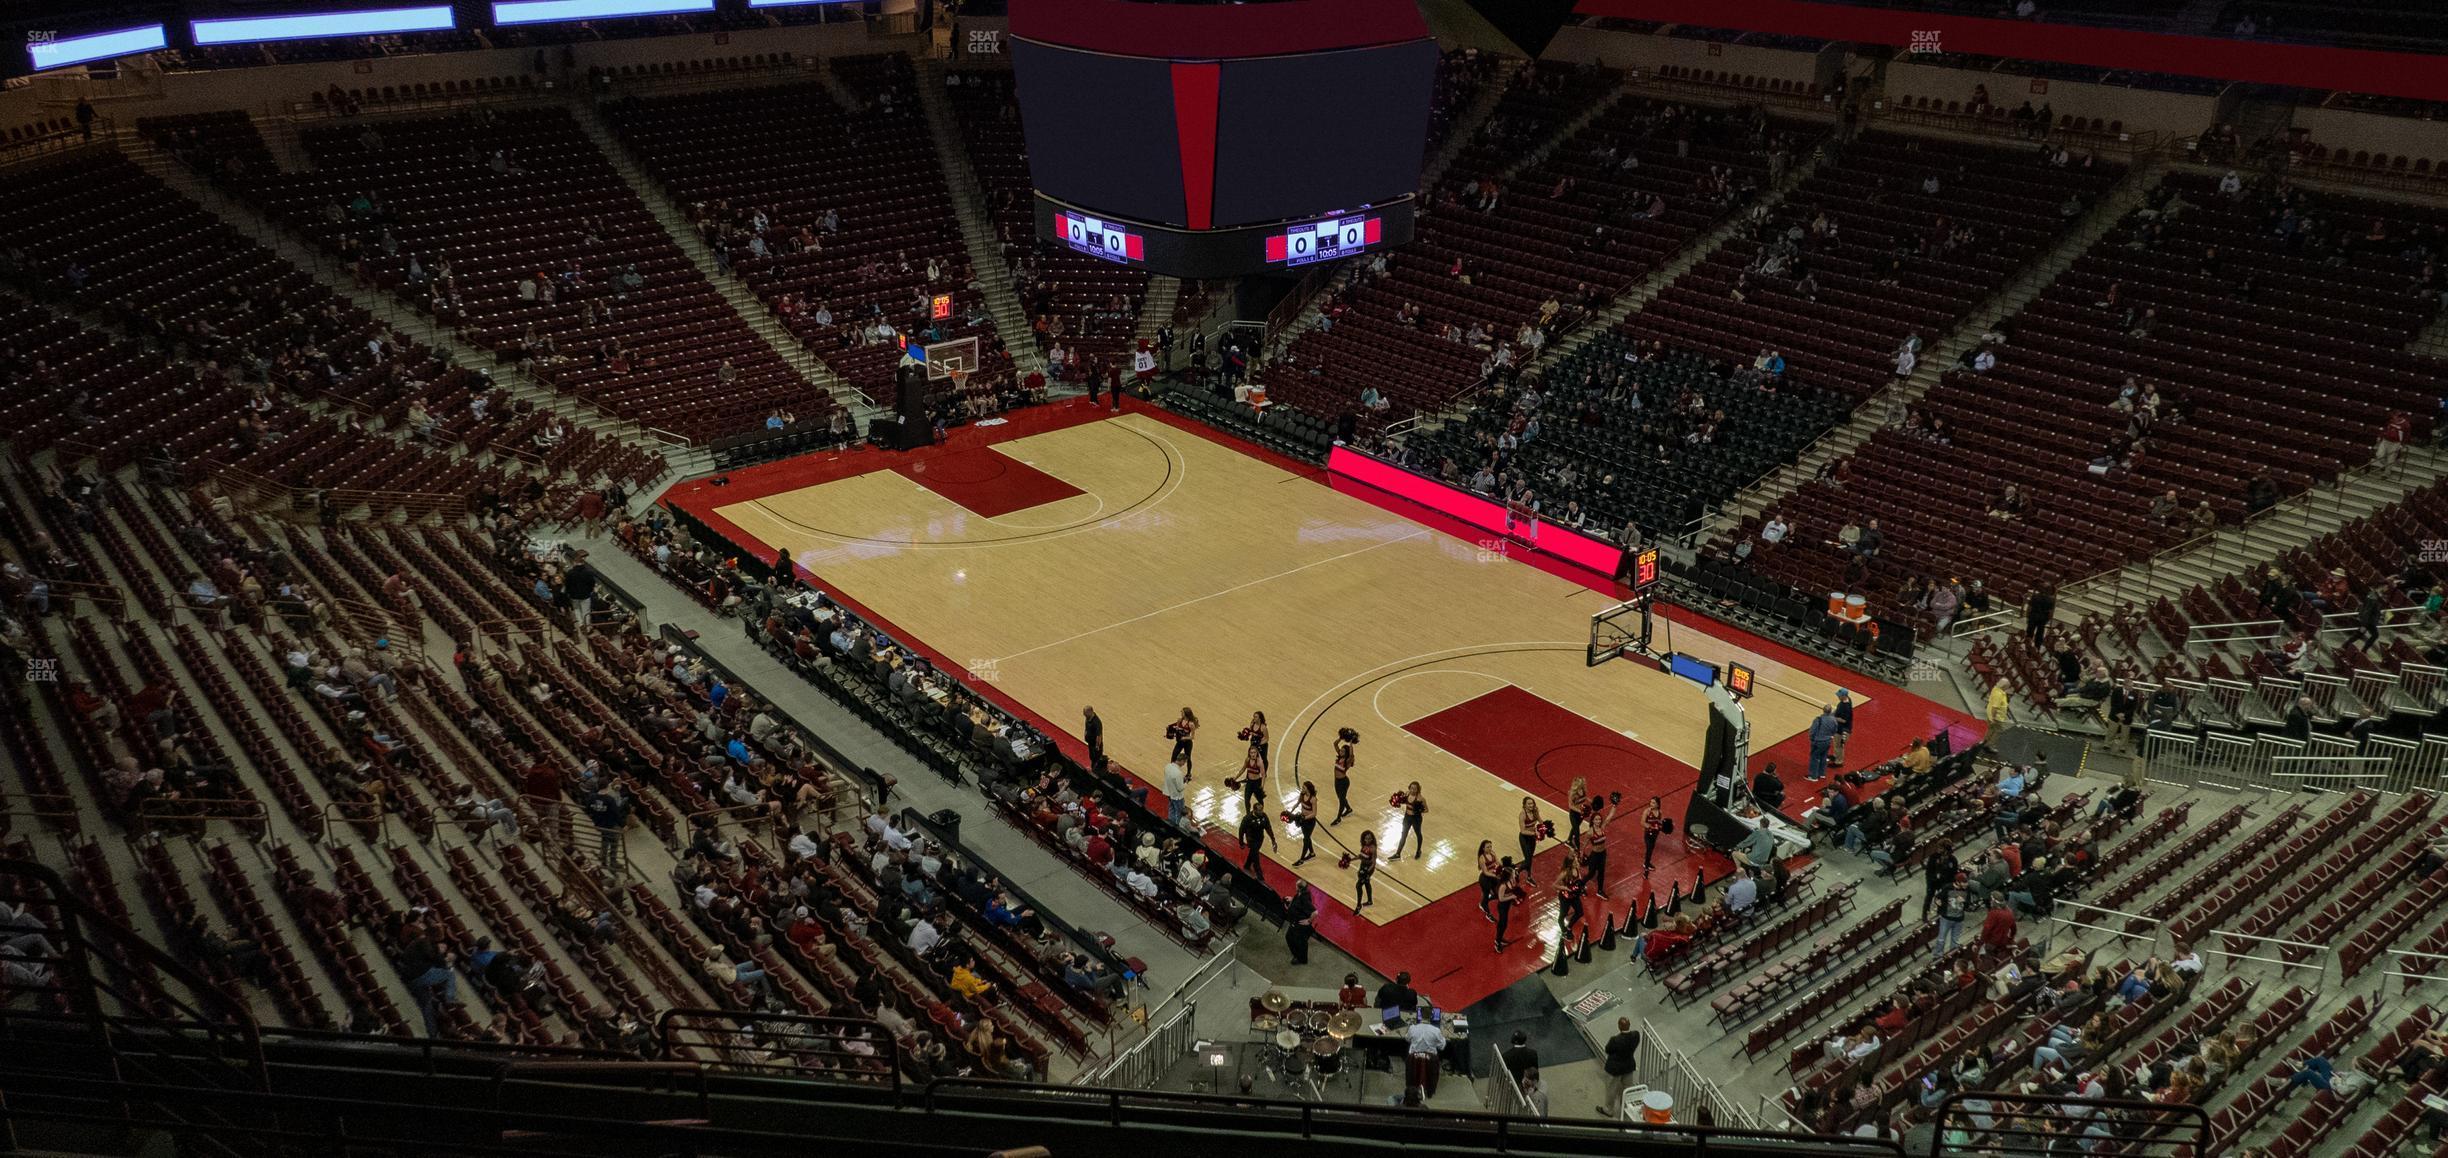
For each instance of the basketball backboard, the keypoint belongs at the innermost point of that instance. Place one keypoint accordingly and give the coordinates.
(1618, 629)
(946, 359)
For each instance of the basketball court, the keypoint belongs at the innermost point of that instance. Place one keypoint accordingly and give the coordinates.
(1075, 557)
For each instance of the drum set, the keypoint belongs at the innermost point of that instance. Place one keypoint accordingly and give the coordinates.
(1306, 1042)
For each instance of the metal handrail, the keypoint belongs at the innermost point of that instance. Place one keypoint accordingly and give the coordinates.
(99, 594)
(718, 1029)
(230, 1035)
(1985, 621)
(2006, 1113)
(597, 1069)
(503, 627)
(8, 816)
(1313, 1121)
(161, 810)
(418, 503)
(340, 812)
(2242, 530)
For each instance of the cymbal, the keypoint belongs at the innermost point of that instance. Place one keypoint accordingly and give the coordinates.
(1344, 1024)
(1275, 1001)
(1325, 1046)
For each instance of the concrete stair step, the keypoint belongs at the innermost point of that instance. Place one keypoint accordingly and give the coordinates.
(744, 303)
(326, 269)
(1889, 405)
(978, 236)
(2294, 523)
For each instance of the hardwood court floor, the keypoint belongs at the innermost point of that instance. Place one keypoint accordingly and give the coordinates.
(1186, 572)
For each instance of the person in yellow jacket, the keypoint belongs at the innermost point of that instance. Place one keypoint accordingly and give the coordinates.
(1998, 710)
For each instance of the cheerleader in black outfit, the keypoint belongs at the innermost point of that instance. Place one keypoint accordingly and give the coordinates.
(1364, 886)
(1491, 874)
(1256, 734)
(1594, 841)
(1529, 831)
(1653, 823)
(1346, 745)
(1571, 886)
(1511, 890)
(1253, 786)
(1415, 807)
(1304, 815)
(1182, 732)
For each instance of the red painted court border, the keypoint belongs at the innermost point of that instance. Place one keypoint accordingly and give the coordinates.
(1455, 970)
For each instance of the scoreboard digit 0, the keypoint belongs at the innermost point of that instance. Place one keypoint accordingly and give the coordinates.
(1323, 240)
(1101, 239)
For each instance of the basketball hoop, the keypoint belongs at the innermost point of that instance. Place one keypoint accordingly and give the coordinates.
(957, 358)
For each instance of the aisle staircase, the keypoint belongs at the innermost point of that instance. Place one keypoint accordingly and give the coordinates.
(1554, 140)
(1156, 308)
(1468, 122)
(978, 234)
(1458, 136)
(1940, 355)
(418, 327)
(2298, 521)
(1646, 290)
(751, 310)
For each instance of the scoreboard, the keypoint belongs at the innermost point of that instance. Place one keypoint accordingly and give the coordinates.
(1323, 240)
(1204, 253)
(1099, 238)
(1172, 138)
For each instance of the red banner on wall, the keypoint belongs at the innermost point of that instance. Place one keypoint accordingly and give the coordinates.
(2398, 74)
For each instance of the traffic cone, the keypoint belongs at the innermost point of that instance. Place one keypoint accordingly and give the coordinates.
(1699, 893)
(1586, 946)
(1608, 942)
(1563, 961)
(1650, 921)
(1674, 901)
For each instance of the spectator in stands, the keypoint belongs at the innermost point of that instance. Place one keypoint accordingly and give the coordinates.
(2039, 610)
(1757, 850)
(2367, 618)
(24, 932)
(487, 814)
(1742, 894)
(1953, 906)
(2317, 1071)
(609, 810)
(430, 978)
